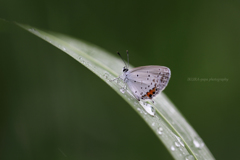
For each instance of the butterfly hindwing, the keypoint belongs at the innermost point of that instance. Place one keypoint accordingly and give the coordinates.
(147, 81)
(138, 89)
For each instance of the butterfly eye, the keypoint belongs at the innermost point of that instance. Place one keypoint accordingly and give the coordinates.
(125, 69)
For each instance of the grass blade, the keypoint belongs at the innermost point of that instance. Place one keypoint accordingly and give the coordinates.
(162, 117)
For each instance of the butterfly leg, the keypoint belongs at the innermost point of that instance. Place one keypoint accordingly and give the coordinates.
(114, 79)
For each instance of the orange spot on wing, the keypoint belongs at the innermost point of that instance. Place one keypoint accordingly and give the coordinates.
(154, 89)
(150, 93)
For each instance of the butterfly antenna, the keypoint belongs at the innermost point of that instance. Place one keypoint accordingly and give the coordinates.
(122, 58)
(127, 57)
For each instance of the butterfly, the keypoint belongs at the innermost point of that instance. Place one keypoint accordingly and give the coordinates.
(145, 82)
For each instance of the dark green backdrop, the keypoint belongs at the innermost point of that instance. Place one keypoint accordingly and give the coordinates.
(51, 107)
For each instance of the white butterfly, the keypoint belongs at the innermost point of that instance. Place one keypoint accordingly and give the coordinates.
(145, 82)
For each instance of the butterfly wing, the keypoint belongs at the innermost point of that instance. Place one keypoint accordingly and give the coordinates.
(147, 81)
(138, 89)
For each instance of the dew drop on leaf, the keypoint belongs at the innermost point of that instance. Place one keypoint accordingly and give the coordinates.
(160, 130)
(122, 90)
(198, 143)
(189, 157)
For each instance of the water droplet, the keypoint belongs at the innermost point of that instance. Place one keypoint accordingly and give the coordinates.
(105, 75)
(139, 110)
(172, 148)
(153, 123)
(153, 110)
(81, 60)
(198, 143)
(179, 140)
(64, 48)
(189, 157)
(148, 108)
(177, 144)
(122, 90)
(160, 130)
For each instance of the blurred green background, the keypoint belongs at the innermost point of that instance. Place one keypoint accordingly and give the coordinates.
(54, 108)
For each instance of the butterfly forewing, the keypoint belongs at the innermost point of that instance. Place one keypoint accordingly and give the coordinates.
(147, 81)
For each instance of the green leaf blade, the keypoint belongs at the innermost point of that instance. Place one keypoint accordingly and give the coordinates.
(164, 119)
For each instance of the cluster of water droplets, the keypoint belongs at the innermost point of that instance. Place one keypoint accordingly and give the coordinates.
(196, 142)
(179, 141)
(160, 130)
(178, 145)
(179, 148)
